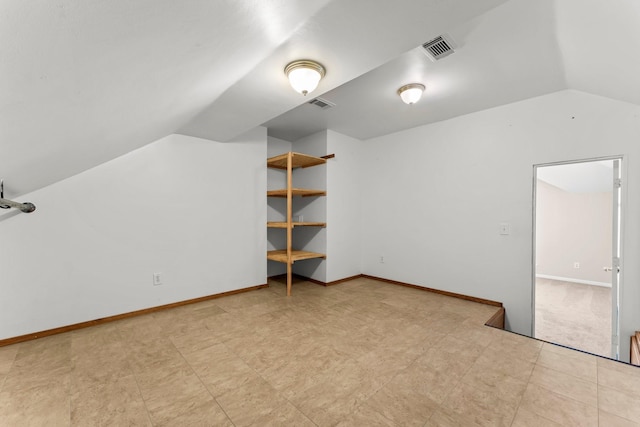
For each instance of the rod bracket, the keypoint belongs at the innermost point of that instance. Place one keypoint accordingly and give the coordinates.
(25, 207)
(2, 195)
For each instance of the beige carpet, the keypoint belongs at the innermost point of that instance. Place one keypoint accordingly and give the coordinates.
(574, 315)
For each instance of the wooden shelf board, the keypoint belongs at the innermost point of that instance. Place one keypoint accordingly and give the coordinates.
(304, 192)
(281, 255)
(279, 224)
(299, 160)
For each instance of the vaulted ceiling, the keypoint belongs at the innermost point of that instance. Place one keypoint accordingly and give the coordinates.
(518, 50)
(82, 82)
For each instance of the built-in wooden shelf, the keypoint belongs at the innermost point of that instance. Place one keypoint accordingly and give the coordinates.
(279, 224)
(298, 160)
(289, 161)
(281, 255)
(304, 192)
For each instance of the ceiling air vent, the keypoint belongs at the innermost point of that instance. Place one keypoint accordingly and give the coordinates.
(322, 103)
(439, 47)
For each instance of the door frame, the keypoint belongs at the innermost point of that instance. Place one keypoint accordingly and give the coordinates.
(620, 221)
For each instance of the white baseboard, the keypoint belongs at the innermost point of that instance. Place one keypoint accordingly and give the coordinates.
(571, 279)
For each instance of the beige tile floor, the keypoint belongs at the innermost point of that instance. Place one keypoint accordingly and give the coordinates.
(363, 353)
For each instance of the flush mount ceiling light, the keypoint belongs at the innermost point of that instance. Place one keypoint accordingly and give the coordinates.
(304, 75)
(411, 93)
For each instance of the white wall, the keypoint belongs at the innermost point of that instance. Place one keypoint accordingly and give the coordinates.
(573, 227)
(344, 206)
(435, 195)
(192, 209)
(195, 210)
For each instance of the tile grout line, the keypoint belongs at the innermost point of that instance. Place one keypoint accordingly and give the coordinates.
(4, 379)
(202, 382)
(567, 373)
(71, 377)
(135, 376)
(231, 351)
(527, 386)
(267, 381)
(460, 381)
(553, 391)
(288, 400)
(391, 379)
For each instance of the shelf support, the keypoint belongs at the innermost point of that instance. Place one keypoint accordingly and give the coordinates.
(289, 220)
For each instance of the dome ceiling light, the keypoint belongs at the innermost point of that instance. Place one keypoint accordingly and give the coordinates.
(304, 75)
(411, 93)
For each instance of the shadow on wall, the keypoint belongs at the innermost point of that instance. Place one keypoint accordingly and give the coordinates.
(9, 215)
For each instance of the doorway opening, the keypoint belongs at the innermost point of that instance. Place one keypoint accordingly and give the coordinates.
(576, 256)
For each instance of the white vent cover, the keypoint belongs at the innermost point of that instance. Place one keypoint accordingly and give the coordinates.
(322, 103)
(440, 47)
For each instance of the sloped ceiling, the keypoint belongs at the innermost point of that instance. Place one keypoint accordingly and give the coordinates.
(82, 82)
(518, 50)
(508, 54)
(349, 38)
(600, 45)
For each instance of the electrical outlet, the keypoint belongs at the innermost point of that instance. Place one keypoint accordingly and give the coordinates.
(381, 259)
(576, 264)
(157, 279)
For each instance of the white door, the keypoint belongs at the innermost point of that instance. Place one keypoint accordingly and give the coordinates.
(564, 271)
(615, 261)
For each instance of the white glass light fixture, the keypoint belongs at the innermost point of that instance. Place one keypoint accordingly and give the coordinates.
(411, 93)
(304, 75)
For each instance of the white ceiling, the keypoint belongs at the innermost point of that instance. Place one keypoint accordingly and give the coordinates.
(349, 38)
(600, 41)
(508, 54)
(584, 177)
(516, 51)
(82, 82)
